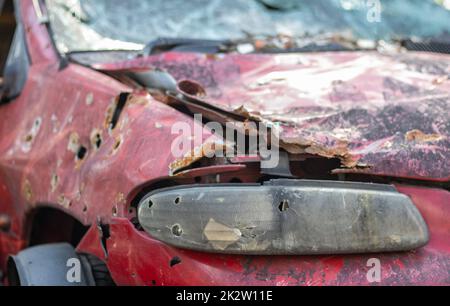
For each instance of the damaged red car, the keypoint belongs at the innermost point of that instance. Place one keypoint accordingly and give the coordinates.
(136, 140)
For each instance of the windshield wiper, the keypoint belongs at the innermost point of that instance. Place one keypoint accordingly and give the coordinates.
(328, 42)
(440, 44)
(165, 44)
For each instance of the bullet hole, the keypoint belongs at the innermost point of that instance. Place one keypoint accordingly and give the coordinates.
(81, 154)
(175, 261)
(32, 134)
(37, 122)
(177, 200)
(117, 144)
(96, 139)
(284, 205)
(150, 204)
(177, 230)
(85, 208)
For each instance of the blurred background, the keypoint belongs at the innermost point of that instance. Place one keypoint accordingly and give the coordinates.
(7, 25)
(96, 25)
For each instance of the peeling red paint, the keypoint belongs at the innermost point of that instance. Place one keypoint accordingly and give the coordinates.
(360, 107)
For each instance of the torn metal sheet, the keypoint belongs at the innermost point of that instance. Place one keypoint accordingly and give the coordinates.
(208, 149)
(360, 107)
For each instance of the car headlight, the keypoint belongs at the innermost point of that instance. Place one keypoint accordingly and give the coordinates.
(284, 217)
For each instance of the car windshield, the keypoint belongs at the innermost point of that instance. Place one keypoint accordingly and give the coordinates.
(94, 25)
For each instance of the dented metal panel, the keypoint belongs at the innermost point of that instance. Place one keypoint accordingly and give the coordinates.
(361, 107)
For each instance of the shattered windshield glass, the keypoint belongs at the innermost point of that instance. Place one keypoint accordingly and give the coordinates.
(91, 25)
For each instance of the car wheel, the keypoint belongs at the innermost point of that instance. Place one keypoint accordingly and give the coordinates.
(56, 265)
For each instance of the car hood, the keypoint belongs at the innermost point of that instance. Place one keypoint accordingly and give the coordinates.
(380, 114)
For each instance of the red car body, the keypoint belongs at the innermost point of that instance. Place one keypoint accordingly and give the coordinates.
(392, 110)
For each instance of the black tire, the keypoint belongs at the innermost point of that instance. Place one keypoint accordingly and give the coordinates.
(99, 270)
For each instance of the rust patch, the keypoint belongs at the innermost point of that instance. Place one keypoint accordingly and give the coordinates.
(119, 201)
(74, 143)
(27, 192)
(440, 80)
(54, 182)
(339, 149)
(29, 138)
(64, 202)
(109, 113)
(208, 149)
(120, 198)
(419, 136)
(192, 88)
(118, 140)
(137, 99)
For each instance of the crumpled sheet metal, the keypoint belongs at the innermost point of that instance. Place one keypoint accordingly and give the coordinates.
(360, 107)
(60, 112)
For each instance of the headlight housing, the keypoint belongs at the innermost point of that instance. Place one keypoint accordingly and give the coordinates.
(284, 217)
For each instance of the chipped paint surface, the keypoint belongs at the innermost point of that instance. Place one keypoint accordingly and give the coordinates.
(207, 149)
(419, 136)
(75, 164)
(360, 107)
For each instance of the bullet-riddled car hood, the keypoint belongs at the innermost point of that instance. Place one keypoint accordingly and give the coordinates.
(380, 114)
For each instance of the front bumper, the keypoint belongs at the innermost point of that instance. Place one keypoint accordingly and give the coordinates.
(135, 258)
